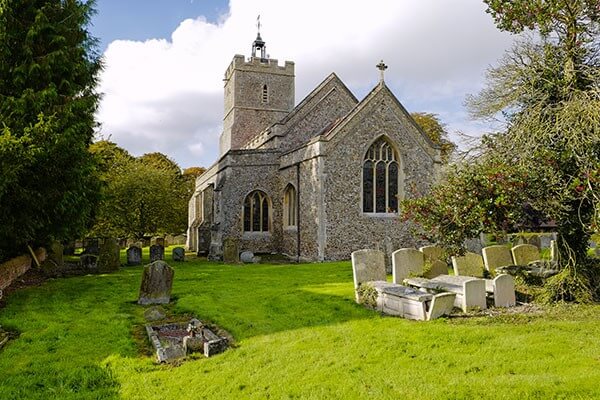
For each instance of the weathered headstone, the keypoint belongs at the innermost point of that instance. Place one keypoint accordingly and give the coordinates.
(496, 256)
(169, 240)
(523, 254)
(432, 253)
(179, 240)
(89, 262)
(406, 262)
(231, 250)
(473, 245)
(437, 268)
(545, 241)
(109, 259)
(470, 264)
(534, 240)
(178, 254)
(53, 265)
(134, 255)
(91, 246)
(247, 257)
(158, 240)
(157, 252)
(368, 265)
(157, 281)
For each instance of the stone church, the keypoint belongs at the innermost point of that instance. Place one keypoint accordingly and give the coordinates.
(314, 181)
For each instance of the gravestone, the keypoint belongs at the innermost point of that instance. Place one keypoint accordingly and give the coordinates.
(109, 259)
(470, 264)
(134, 255)
(157, 252)
(169, 240)
(53, 265)
(437, 268)
(545, 241)
(432, 253)
(179, 240)
(368, 265)
(473, 245)
(535, 240)
(91, 246)
(178, 254)
(247, 257)
(523, 254)
(158, 240)
(89, 262)
(157, 281)
(406, 262)
(496, 256)
(231, 250)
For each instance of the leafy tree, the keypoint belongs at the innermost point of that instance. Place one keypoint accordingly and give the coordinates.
(548, 90)
(160, 161)
(48, 73)
(140, 196)
(485, 196)
(436, 130)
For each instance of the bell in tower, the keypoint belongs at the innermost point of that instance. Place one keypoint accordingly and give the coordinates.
(259, 44)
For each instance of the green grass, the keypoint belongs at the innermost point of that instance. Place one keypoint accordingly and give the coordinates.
(298, 334)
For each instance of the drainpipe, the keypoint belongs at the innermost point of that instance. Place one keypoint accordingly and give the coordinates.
(298, 212)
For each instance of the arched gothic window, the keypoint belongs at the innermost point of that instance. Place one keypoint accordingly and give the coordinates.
(290, 206)
(256, 212)
(265, 94)
(380, 178)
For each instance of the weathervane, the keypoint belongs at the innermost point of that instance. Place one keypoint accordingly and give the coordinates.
(381, 67)
(258, 24)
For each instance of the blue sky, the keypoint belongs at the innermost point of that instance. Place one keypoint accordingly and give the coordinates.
(164, 61)
(147, 19)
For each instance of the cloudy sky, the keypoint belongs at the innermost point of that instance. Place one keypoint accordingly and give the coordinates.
(164, 60)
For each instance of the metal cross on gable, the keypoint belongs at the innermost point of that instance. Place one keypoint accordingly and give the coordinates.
(381, 67)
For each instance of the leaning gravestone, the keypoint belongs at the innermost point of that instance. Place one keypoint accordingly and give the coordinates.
(157, 252)
(178, 254)
(134, 255)
(523, 254)
(231, 250)
(157, 281)
(109, 259)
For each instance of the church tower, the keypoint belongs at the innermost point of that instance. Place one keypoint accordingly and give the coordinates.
(258, 93)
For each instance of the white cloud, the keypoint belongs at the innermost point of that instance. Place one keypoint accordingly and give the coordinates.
(166, 94)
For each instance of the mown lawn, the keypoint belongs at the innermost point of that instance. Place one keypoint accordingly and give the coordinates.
(298, 334)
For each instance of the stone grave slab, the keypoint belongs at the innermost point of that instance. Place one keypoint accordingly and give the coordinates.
(174, 341)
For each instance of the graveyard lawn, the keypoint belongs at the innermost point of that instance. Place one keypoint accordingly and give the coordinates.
(298, 334)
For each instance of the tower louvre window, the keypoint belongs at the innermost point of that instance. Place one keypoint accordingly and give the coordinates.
(265, 94)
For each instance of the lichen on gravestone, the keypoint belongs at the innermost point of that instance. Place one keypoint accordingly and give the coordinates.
(157, 282)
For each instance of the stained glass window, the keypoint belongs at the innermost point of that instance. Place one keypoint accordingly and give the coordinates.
(380, 178)
(256, 212)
